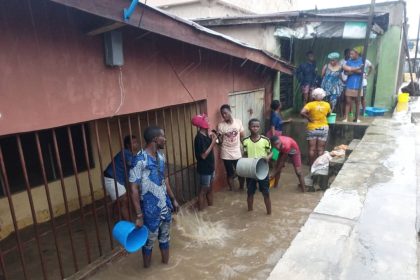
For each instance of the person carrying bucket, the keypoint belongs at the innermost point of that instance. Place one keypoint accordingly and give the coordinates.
(257, 146)
(152, 196)
(203, 148)
(115, 185)
(288, 148)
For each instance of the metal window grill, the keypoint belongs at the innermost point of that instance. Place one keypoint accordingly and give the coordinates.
(59, 217)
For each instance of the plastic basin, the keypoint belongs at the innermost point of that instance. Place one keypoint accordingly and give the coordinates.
(375, 111)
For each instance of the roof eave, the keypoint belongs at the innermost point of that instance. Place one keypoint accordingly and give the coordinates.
(157, 21)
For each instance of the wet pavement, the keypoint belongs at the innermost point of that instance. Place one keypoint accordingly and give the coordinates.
(226, 241)
(364, 226)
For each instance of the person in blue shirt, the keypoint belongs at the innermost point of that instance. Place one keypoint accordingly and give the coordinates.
(116, 185)
(276, 121)
(353, 68)
(306, 74)
(151, 194)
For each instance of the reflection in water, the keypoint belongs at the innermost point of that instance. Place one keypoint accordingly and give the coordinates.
(226, 241)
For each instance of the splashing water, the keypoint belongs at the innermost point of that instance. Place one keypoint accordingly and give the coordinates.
(201, 232)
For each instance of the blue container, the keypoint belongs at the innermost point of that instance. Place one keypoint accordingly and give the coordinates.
(375, 111)
(129, 236)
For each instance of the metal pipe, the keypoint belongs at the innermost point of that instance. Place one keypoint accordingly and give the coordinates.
(365, 49)
(13, 214)
(124, 160)
(180, 197)
(79, 194)
(187, 153)
(129, 201)
(180, 154)
(140, 131)
(192, 145)
(31, 204)
(50, 208)
(66, 206)
(111, 154)
(166, 149)
(98, 146)
(92, 195)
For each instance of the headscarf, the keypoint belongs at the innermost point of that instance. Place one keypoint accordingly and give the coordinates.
(318, 94)
(359, 49)
(334, 56)
(200, 121)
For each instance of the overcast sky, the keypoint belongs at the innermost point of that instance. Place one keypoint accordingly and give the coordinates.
(413, 9)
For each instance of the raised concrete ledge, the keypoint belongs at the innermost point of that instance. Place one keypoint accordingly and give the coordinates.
(365, 225)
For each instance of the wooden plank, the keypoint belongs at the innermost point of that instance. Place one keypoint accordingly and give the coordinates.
(105, 28)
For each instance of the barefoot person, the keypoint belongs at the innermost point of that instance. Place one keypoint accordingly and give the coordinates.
(116, 183)
(152, 196)
(316, 113)
(288, 148)
(354, 69)
(203, 147)
(230, 133)
(257, 146)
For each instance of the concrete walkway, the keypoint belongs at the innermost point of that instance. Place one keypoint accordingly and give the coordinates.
(365, 225)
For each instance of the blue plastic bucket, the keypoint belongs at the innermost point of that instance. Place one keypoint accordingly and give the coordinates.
(129, 236)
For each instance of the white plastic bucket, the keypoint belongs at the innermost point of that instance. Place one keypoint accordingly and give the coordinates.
(254, 168)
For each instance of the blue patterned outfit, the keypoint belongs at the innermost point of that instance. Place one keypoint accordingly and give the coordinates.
(332, 86)
(149, 173)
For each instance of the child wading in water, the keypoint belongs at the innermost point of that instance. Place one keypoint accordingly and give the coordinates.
(257, 146)
(203, 147)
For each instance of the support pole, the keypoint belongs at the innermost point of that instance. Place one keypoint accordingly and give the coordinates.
(365, 49)
(407, 50)
(417, 71)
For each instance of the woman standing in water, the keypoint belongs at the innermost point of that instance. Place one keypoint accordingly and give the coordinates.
(316, 113)
(331, 82)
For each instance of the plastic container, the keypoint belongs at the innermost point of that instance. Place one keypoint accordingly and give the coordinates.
(254, 168)
(331, 118)
(129, 236)
(403, 97)
(272, 181)
(276, 154)
(375, 111)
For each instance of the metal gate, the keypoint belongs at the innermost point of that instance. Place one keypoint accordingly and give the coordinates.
(55, 216)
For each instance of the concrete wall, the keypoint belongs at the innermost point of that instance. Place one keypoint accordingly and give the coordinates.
(259, 36)
(62, 79)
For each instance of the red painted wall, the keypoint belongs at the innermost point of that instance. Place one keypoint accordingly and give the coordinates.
(52, 74)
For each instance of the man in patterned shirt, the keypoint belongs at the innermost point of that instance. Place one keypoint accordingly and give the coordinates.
(152, 196)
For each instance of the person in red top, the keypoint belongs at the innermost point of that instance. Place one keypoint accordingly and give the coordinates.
(287, 148)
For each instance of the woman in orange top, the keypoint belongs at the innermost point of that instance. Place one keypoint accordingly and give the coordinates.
(316, 113)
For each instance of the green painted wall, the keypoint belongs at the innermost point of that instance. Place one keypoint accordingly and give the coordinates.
(389, 52)
(321, 48)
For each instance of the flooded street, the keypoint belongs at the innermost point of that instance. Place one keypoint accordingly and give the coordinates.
(226, 241)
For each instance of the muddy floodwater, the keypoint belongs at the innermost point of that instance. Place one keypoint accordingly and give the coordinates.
(226, 241)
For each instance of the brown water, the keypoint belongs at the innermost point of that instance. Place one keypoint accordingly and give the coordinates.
(226, 241)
